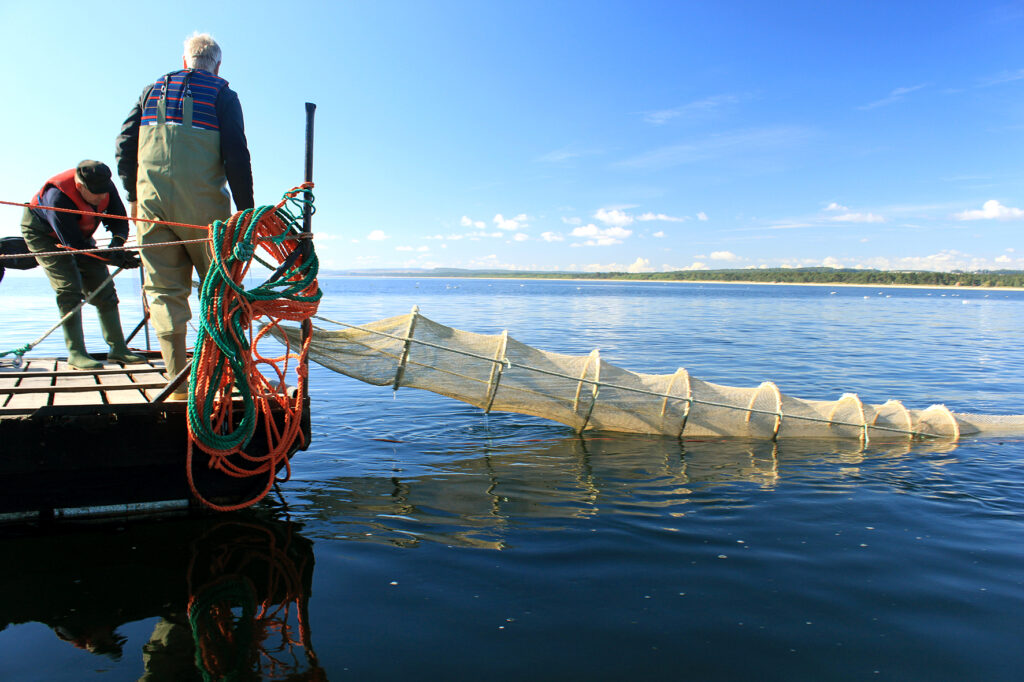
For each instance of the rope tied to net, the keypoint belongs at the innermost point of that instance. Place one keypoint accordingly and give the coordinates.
(229, 395)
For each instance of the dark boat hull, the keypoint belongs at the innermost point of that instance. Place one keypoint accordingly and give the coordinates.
(71, 459)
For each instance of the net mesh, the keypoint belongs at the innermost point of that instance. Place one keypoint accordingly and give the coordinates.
(498, 373)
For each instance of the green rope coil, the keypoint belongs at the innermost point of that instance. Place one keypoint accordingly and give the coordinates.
(229, 332)
(230, 653)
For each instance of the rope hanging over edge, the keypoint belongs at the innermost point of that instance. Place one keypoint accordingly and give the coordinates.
(228, 394)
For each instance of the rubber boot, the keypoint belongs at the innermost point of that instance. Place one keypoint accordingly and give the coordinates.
(175, 355)
(74, 338)
(110, 323)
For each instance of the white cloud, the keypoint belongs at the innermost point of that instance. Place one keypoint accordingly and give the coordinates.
(558, 156)
(1004, 77)
(376, 236)
(659, 216)
(858, 218)
(943, 261)
(894, 96)
(572, 221)
(699, 108)
(510, 224)
(702, 216)
(991, 210)
(831, 262)
(724, 255)
(659, 234)
(752, 144)
(1003, 259)
(466, 221)
(613, 217)
(597, 236)
(521, 237)
(551, 237)
(640, 265)
(403, 248)
(836, 207)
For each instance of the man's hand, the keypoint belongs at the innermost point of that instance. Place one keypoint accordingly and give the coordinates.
(127, 260)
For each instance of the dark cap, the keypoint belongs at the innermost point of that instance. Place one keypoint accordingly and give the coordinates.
(95, 175)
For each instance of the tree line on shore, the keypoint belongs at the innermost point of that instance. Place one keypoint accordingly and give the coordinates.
(1005, 278)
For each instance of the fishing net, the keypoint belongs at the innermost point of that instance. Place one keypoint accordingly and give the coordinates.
(498, 373)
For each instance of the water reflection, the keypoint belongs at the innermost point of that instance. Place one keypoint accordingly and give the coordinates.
(473, 495)
(230, 594)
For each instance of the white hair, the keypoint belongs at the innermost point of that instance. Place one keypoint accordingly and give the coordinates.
(202, 52)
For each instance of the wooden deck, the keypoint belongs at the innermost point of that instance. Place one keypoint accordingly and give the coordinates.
(72, 441)
(51, 382)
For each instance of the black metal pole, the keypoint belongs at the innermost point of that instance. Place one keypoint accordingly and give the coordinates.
(307, 215)
(306, 246)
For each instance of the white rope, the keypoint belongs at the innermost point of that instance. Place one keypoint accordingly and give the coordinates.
(88, 299)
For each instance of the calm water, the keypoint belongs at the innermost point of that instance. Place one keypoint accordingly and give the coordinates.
(419, 539)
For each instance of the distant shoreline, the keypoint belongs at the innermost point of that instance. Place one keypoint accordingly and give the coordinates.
(36, 273)
(954, 287)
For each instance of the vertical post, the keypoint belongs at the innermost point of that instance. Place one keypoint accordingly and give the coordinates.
(145, 303)
(306, 245)
(307, 214)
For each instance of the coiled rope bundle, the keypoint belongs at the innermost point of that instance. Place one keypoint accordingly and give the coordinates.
(229, 395)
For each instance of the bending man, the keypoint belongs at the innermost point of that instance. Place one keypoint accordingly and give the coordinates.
(85, 188)
(180, 147)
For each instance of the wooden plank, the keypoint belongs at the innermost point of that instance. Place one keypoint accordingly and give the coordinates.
(112, 382)
(41, 395)
(130, 369)
(109, 383)
(8, 379)
(73, 379)
(153, 393)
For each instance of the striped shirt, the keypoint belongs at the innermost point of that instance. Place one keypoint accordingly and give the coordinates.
(202, 85)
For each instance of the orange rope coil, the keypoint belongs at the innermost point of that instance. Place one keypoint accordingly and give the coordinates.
(229, 394)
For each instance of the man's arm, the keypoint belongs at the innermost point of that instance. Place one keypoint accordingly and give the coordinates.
(234, 148)
(118, 227)
(127, 147)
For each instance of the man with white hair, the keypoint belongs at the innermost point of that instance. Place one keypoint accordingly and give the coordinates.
(181, 147)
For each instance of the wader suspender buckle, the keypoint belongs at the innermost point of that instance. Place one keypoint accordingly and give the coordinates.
(186, 104)
(161, 104)
(186, 101)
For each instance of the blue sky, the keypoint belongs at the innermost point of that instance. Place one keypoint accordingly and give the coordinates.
(550, 135)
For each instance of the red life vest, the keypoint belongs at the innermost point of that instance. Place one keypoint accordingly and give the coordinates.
(65, 182)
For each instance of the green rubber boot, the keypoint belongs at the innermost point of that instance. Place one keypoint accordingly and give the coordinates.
(175, 354)
(110, 323)
(74, 338)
